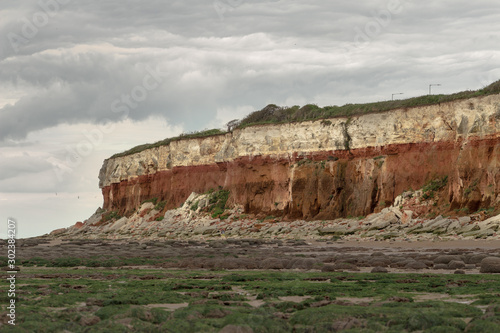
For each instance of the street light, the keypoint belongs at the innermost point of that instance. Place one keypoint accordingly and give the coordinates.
(434, 84)
(396, 94)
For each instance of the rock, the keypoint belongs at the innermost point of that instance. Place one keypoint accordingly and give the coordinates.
(456, 264)
(379, 270)
(89, 321)
(328, 268)
(454, 225)
(459, 271)
(378, 263)
(400, 262)
(118, 224)
(304, 263)
(346, 266)
(474, 258)
(416, 265)
(446, 258)
(145, 206)
(236, 329)
(272, 263)
(399, 299)
(58, 232)
(205, 230)
(336, 230)
(406, 217)
(490, 265)
(217, 313)
(440, 266)
(464, 220)
(384, 220)
(478, 233)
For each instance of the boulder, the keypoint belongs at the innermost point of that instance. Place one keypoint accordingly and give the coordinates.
(446, 258)
(328, 268)
(58, 232)
(384, 220)
(490, 265)
(456, 264)
(379, 269)
(416, 265)
(475, 258)
(118, 224)
(272, 263)
(89, 321)
(346, 266)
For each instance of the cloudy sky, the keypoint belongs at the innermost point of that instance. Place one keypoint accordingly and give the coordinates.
(83, 79)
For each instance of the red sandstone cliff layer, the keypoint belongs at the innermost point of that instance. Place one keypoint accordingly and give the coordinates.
(329, 184)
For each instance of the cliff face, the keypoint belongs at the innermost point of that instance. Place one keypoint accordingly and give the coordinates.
(326, 168)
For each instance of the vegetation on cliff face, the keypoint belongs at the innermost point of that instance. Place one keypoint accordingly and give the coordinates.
(217, 203)
(273, 114)
(192, 135)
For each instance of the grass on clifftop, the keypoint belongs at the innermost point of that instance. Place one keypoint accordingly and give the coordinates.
(273, 114)
(196, 134)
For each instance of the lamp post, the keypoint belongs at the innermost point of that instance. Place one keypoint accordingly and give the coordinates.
(434, 84)
(396, 94)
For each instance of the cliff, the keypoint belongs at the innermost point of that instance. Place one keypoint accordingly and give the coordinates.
(324, 169)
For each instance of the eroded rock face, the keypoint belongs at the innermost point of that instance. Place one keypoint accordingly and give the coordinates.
(324, 170)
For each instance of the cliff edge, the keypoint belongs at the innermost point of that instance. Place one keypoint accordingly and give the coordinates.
(325, 169)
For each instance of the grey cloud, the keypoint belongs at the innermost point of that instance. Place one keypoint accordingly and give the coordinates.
(92, 53)
(19, 166)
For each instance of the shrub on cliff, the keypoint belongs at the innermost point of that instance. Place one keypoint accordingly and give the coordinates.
(109, 216)
(275, 114)
(160, 205)
(217, 202)
(433, 186)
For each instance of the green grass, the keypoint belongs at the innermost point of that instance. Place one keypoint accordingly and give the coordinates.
(165, 142)
(58, 303)
(110, 216)
(160, 205)
(275, 114)
(434, 185)
(217, 202)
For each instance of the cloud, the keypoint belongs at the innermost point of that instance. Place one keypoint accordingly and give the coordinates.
(91, 54)
(154, 69)
(52, 161)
